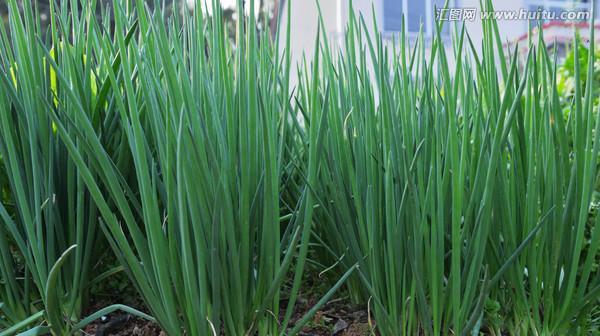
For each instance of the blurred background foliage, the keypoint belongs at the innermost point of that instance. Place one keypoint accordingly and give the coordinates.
(268, 10)
(566, 74)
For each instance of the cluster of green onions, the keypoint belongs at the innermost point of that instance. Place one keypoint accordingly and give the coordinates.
(446, 202)
(458, 198)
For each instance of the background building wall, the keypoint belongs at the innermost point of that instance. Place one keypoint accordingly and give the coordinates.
(304, 21)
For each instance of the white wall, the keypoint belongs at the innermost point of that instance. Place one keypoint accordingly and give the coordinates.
(304, 23)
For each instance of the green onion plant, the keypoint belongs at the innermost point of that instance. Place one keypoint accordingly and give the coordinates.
(464, 202)
(50, 244)
(440, 180)
(48, 231)
(194, 212)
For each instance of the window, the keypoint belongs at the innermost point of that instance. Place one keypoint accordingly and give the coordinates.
(416, 13)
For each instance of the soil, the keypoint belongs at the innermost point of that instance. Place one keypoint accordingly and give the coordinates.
(121, 324)
(337, 318)
(124, 325)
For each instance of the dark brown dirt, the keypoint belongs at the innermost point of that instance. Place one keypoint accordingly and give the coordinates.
(124, 325)
(337, 318)
(120, 323)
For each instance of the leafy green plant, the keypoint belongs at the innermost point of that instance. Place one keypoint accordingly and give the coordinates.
(52, 213)
(49, 223)
(195, 217)
(449, 203)
(566, 70)
(452, 194)
(3, 183)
